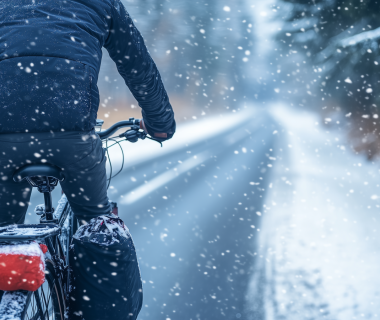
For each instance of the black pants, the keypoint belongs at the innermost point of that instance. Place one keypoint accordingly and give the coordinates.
(81, 156)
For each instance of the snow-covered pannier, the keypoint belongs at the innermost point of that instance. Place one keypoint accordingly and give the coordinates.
(22, 266)
(103, 258)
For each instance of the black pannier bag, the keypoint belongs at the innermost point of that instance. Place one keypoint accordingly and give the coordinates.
(106, 281)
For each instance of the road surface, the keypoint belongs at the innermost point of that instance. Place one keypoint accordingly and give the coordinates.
(255, 215)
(194, 214)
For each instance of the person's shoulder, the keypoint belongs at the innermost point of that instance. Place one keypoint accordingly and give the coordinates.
(110, 2)
(115, 5)
(93, 2)
(98, 4)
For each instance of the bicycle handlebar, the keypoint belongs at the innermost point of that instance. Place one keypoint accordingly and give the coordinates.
(119, 125)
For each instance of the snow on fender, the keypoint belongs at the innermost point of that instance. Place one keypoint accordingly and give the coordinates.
(22, 266)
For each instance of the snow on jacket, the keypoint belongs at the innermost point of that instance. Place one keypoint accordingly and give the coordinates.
(50, 55)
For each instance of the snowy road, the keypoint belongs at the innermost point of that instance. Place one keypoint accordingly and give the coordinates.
(259, 216)
(194, 232)
(193, 210)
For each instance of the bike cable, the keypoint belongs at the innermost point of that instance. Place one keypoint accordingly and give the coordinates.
(135, 135)
(110, 161)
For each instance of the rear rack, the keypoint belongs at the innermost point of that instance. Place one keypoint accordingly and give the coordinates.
(28, 232)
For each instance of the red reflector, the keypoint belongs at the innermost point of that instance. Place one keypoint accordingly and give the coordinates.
(43, 247)
(22, 267)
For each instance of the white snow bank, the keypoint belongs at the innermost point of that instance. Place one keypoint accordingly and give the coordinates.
(318, 255)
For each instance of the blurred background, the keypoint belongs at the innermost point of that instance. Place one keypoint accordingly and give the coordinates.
(265, 204)
(216, 56)
(204, 51)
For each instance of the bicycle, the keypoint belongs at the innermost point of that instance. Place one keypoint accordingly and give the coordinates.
(55, 230)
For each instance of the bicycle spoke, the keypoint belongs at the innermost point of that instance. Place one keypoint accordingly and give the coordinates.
(34, 308)
(46, 299)
(33, 313)
(35, 317)
(39, 305)
(49, 309)
(43, 304)
(43, 298)
(48, 295)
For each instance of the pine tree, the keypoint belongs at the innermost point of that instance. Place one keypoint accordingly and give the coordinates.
(340, 40)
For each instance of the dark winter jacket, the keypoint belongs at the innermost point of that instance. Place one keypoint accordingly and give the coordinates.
(50, 54)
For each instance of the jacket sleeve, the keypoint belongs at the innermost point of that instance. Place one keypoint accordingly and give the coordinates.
(127, 49)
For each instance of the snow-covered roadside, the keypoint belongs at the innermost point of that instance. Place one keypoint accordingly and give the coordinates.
(319, 248)
(187, 134)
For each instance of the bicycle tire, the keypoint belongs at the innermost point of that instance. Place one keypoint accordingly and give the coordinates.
(50, 295)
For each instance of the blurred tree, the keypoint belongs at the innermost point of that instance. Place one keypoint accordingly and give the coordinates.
(340, 40)
(203, 49)
(219, 45)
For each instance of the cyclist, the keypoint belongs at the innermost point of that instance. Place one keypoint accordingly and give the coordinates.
(50, 55)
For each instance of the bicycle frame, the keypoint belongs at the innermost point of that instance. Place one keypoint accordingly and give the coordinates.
(62, 228)
(57, 238)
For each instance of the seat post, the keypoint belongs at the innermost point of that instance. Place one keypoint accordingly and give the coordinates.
(46, 187)
(45, 177)
(48, 206)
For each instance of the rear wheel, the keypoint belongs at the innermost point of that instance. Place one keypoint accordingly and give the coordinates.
(47, 302)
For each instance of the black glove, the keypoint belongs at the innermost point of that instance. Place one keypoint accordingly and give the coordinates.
(133, 134)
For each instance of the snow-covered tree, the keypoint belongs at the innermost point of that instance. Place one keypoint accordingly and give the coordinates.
(340, 40)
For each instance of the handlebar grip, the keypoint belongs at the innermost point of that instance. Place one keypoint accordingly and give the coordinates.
(119, 125)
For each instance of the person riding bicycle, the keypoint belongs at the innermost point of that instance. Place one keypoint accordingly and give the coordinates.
(50, 56)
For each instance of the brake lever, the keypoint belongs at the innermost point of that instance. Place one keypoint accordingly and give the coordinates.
(134, 134)
(154, 140)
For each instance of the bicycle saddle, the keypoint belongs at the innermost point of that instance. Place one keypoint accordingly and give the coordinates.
(38, 170)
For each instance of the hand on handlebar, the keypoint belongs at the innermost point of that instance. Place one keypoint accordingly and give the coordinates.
(160, 135)
(133, 134)
(142, 125)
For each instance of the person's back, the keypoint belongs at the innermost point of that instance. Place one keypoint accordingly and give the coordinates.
(50, 55)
